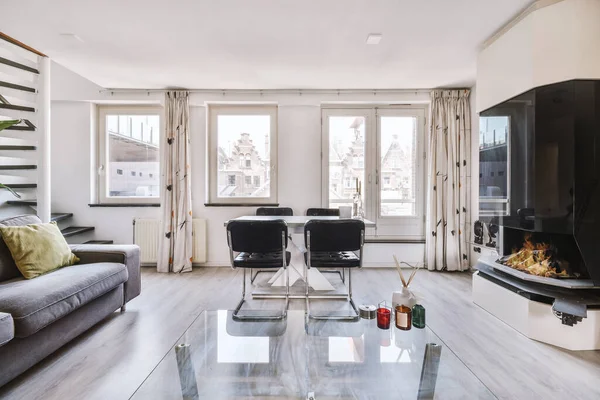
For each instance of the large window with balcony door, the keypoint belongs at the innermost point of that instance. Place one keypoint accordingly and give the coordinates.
(242, 154)
(380, 150)
(129, 156)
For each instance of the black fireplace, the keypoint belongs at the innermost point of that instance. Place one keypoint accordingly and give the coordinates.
(550, 236)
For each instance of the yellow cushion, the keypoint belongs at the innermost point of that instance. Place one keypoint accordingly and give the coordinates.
(37, 248)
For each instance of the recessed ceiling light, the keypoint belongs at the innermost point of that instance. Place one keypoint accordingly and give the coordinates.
(374, 38)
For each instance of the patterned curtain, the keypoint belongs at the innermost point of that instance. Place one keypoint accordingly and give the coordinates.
(175, 243)
(448, 186)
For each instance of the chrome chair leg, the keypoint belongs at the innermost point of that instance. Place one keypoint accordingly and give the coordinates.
(280, 316)
(352, 317)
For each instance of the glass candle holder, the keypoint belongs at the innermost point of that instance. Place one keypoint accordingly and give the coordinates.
(403, 317)
(418, 316)
(384, 316)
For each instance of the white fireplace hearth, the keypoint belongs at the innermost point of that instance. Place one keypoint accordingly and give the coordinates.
(535, 319)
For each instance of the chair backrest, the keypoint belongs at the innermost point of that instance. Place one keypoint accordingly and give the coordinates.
(335, 235)
(285, 211)
(257, 236)
(323, 212)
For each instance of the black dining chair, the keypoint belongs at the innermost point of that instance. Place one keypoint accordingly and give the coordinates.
(271, 211)
(279, 211)
(323, 212)
(334, 244)
(259, 244)
(327, 212)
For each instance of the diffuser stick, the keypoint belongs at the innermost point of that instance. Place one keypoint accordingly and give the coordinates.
(400, 272)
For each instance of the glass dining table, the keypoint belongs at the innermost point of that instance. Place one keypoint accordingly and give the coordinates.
(322, 286)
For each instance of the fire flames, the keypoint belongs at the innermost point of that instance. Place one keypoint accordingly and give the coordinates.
(536, 259)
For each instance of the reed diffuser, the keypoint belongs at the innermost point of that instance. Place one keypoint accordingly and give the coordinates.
(404, 297)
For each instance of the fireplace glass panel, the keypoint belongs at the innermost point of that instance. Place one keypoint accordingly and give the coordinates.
(494, 175)
(511, 124)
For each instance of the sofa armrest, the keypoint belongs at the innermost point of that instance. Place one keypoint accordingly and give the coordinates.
(7, 328)
(128, 254)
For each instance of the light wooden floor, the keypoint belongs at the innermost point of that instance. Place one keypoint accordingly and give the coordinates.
(111, 360)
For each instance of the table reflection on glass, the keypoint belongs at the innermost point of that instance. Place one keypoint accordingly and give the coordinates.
(299, 358)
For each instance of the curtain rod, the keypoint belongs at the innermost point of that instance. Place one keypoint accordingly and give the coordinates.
(261, 92)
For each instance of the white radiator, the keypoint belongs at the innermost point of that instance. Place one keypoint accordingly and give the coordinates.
(146, 234)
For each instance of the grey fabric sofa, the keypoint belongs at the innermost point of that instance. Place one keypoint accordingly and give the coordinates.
(40, 315)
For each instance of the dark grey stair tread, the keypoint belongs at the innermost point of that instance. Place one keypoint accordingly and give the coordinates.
(17, 147)
(16, 166)
(60, 216)
(76, 230)
(98, 242)
(22, 185)
(22, 202)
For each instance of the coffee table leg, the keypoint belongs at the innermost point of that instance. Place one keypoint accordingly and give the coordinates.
(429, 372)
(187, 374)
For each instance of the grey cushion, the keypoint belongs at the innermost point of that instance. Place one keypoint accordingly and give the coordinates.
(8, 269)
(7, 329)
(35, 303)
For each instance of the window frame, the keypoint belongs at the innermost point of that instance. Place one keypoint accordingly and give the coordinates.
(213, 112)
(102, 154)
(410, 227)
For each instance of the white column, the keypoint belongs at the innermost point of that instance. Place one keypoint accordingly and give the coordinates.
(43, 147)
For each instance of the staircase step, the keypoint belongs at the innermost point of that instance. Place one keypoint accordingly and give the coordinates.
(17, 147)
(56, 217)
(76, 230)
(22, 185)
(22, 202)
(17, 166)
(98, 242)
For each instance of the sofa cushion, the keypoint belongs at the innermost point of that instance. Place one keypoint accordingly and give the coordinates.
(37, 248)
(8, 268)
(7, 329)
(36, 303)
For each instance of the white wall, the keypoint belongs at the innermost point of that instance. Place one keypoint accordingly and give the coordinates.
(474, 179)
(554, 43)
(299, 141)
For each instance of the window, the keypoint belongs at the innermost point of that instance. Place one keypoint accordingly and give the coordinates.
(242, 141)
(378, 147)
(128, 140)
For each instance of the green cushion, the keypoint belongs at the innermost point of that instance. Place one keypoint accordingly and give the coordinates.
(37, 248)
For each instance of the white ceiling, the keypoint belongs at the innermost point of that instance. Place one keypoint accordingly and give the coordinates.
(262, 44)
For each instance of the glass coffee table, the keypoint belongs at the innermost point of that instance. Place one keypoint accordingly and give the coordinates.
(219, 358)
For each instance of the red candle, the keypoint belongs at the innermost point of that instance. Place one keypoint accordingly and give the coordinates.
(384, 315)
